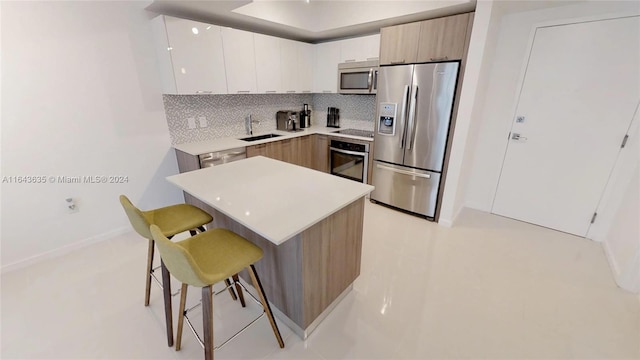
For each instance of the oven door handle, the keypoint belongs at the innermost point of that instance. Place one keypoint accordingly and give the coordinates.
(348, 152)
(404, 172)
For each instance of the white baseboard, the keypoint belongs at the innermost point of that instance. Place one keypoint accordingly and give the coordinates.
(449, 222)
(615, 268)
(63, 250)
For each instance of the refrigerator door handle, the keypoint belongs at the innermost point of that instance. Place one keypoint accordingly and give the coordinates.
(404, 172)
(403, 113)
(412, 116)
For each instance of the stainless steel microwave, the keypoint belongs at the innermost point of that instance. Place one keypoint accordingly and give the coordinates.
(359, 77)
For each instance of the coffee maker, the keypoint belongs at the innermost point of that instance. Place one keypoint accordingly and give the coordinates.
(305, 117)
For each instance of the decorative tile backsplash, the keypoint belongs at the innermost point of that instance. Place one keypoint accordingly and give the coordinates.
(225, 114)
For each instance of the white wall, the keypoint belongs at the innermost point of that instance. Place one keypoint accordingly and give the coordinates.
(80, 96)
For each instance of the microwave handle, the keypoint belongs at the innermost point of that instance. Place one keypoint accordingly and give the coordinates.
(374, 86)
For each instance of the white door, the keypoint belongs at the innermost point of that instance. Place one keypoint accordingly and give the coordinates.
(579, 94)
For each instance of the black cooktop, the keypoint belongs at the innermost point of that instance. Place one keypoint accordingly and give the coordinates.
(356, 132)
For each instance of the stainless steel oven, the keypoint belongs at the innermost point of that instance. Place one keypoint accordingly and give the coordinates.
(349, 160)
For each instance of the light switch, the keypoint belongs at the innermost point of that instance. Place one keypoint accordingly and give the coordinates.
(203, 121)
(191, 123)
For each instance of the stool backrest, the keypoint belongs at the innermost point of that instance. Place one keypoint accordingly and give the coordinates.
(136, 218)
(178, 260)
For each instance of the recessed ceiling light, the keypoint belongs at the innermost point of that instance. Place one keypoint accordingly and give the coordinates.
(195, 30)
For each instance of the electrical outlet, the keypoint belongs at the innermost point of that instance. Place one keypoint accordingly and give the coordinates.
(203, 122)
(71, 205)
(191, 123)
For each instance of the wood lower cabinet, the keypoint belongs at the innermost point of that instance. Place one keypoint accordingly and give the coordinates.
(320, 156)
(310, 151)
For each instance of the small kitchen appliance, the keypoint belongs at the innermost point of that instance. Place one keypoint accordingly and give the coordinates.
(287, 120)
(305, 117)
(358, 77)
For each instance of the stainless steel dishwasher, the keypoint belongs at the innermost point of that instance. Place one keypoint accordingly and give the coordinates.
(222, 157)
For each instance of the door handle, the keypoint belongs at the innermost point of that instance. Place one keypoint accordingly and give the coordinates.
(370, 80)
(404, 172)
(516, 136)
(404, 114)
(412, 116)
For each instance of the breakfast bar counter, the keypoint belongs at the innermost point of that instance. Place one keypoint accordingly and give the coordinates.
(308, 223)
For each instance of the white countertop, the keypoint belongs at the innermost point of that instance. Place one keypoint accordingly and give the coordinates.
(203, 147)
(275, 199)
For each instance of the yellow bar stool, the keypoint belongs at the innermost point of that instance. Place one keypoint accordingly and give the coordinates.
(172, 220)
(204, 260)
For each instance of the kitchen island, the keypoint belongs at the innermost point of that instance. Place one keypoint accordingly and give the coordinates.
(308, 223)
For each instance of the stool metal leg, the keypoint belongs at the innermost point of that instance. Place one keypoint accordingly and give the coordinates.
(265, 303)
(147, 292)
(181, 313)
(207, 321)
(166, 290)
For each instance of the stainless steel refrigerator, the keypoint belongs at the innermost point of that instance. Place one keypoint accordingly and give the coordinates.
(415, 103)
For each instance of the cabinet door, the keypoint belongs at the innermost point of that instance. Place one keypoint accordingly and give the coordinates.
(289, 65)
(197, 57)
(239, 58)
(321, 153)
(305, 68)
(443, 38)
(267, 51)
(305, 151)
(399, 44)
(256, 150)
(360, 49)
(327, 57)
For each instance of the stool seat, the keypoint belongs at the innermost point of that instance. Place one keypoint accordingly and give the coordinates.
(217, 254)
(175, 219)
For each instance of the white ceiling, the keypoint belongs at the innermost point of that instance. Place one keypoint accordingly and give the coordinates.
(313, 21)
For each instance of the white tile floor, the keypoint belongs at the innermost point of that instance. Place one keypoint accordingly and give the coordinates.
(488, 288)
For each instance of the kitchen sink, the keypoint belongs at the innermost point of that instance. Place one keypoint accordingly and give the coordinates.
(260, 137)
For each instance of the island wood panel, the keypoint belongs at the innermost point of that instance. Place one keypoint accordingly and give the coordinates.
(279, 270)
(331, 252)
(306, 273)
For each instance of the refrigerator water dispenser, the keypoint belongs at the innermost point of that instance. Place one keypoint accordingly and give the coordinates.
(387, 122)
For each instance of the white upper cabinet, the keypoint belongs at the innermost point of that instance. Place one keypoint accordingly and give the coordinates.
(360, 49)
(199, 58)
(268, 71)
(196, 56)
(305, 68)
(289, 65)
(240, 62)
(327, 57)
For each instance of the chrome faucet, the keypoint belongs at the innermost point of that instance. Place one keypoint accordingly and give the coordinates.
(248, 124)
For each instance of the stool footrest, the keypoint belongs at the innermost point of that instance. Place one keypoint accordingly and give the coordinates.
(195, 333)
